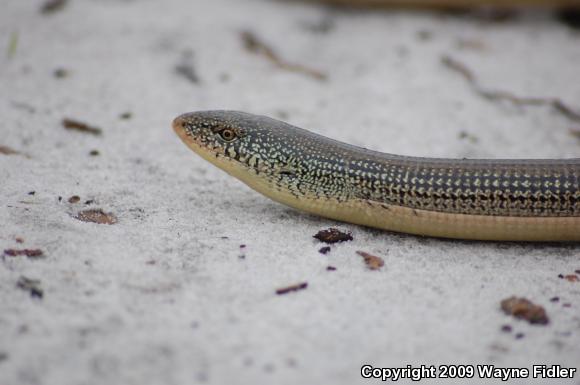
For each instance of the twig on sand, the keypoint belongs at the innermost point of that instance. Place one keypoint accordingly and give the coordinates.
(501, 95)
(253, 44)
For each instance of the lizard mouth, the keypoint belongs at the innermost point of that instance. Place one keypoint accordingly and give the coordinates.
(190, 141)
(216, 155)
(179, 129)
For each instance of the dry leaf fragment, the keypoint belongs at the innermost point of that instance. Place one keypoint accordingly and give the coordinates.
(373, 262)
(5, 150)
(74, 199)
(96, 216)
(571, 278)
(75, 125)
(524, 309)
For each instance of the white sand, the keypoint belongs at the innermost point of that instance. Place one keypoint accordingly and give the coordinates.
(161, 297)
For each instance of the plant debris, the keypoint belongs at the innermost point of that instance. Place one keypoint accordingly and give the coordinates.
(571, 278)
(60, 73)
(506, 328)
(373, 262)
(30, 253)
(74, 199)
(188, 72)
(5, 150)
(499, 95)
(332, 235)
(288, 289)
(75, 125)
(186, 68)
(242, 255)
(30, 285)
(51, 6)
(324, 250)
(254, 45)
(96, 216)
(467, 136)
(126, 115)
(23, 106)
(525, 309)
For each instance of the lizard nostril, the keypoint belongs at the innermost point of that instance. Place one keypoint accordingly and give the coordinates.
(178, 124)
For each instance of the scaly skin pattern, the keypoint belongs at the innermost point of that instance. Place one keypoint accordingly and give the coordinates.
(525, 200)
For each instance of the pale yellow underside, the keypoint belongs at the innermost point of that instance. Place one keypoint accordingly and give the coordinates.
(429, 223)
(407, 220)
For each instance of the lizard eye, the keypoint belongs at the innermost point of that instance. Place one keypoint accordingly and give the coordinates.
(228, 135)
